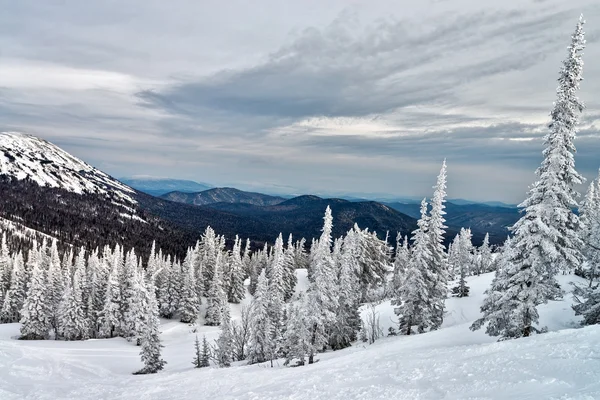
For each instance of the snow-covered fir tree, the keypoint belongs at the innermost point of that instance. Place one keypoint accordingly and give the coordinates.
(189, 303)
(236, 270)
(546, 238)
(289, 269)
(201, 353)
(438, 269)
(322, 290)
(297, 338)
(400, 263)
(216, 298)
(374, 260)
(73, 324)
(110, 317)
(464, 261)
(224, 345)
(414, 304)
(16, 294)
(485, 257)
(150, 339)
(587, 297)
(261, 346)
(36, 313)
(277, 287)
(347, 324)
(169, 291)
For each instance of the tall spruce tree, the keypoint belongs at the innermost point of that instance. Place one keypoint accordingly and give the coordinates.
(546, 237)
(216, 298)
(439, 264)
(414, 303)
(189, 305)
(17, 292)
(289, 269)
(347, 316)
(237, 290)
(262, 346)
(322, 293)
(110, 317)
(150, 339)
(36, 313)
(224, 344)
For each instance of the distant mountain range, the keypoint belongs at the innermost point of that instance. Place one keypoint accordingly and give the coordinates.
(160, 186)
(223, 195)
(50, 191)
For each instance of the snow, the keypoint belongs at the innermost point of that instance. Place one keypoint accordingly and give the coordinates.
(23, 156)
(19, 230)
(451, 363)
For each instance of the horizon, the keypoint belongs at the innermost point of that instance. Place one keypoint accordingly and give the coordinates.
(365, 98)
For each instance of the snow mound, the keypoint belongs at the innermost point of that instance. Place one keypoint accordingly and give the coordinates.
(24, 156)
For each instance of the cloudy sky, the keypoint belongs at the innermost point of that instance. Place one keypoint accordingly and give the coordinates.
(295, 96)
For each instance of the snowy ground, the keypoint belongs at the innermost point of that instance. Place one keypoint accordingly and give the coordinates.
(452, 363)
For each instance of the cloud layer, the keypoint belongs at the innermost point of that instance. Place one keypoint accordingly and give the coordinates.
(324, 98)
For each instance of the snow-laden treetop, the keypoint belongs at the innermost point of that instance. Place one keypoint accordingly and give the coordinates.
(23, 156)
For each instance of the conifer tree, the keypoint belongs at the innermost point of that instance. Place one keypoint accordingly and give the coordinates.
(297, 338)
(96, 287)
(189, 305)
(587, 298)
(169, 292)
(289, 270)
(236, 281)
(202, 354)
(347, 316)
(5, 268)
(546, 237)
(224, 344)
(35, 314)
(400, 262)
(322, 295)
(110, 317)
(374, 260)
(438, 269)
(413, 301)
(216, 299)
(464, 261)
(485, 256)
(261, 347)
(56, 285)
(150, 339)
(16, 294)
(72, 321)
(277, 287)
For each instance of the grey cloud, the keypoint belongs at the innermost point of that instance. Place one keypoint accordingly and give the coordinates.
(335, 73)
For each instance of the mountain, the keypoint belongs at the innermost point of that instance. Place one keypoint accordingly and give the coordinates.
(303, 216)
(223, 195)
(160, 186)
(52, 192)
(28, 157)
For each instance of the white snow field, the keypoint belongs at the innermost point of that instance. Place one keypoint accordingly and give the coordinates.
(452, 363)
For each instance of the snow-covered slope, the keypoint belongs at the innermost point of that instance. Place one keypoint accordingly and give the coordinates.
(23, 156)
(452, 363)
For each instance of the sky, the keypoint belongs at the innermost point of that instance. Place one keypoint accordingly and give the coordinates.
(328, 97)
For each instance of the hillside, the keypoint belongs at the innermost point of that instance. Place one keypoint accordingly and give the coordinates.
(160, 186)
(222, 195)
(451, 363)
(481, 218)
(303, 216)
(49, 190)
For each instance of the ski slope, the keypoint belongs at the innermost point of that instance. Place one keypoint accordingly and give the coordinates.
(452, 363)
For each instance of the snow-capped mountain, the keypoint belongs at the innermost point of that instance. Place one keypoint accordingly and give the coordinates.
(24, 156)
